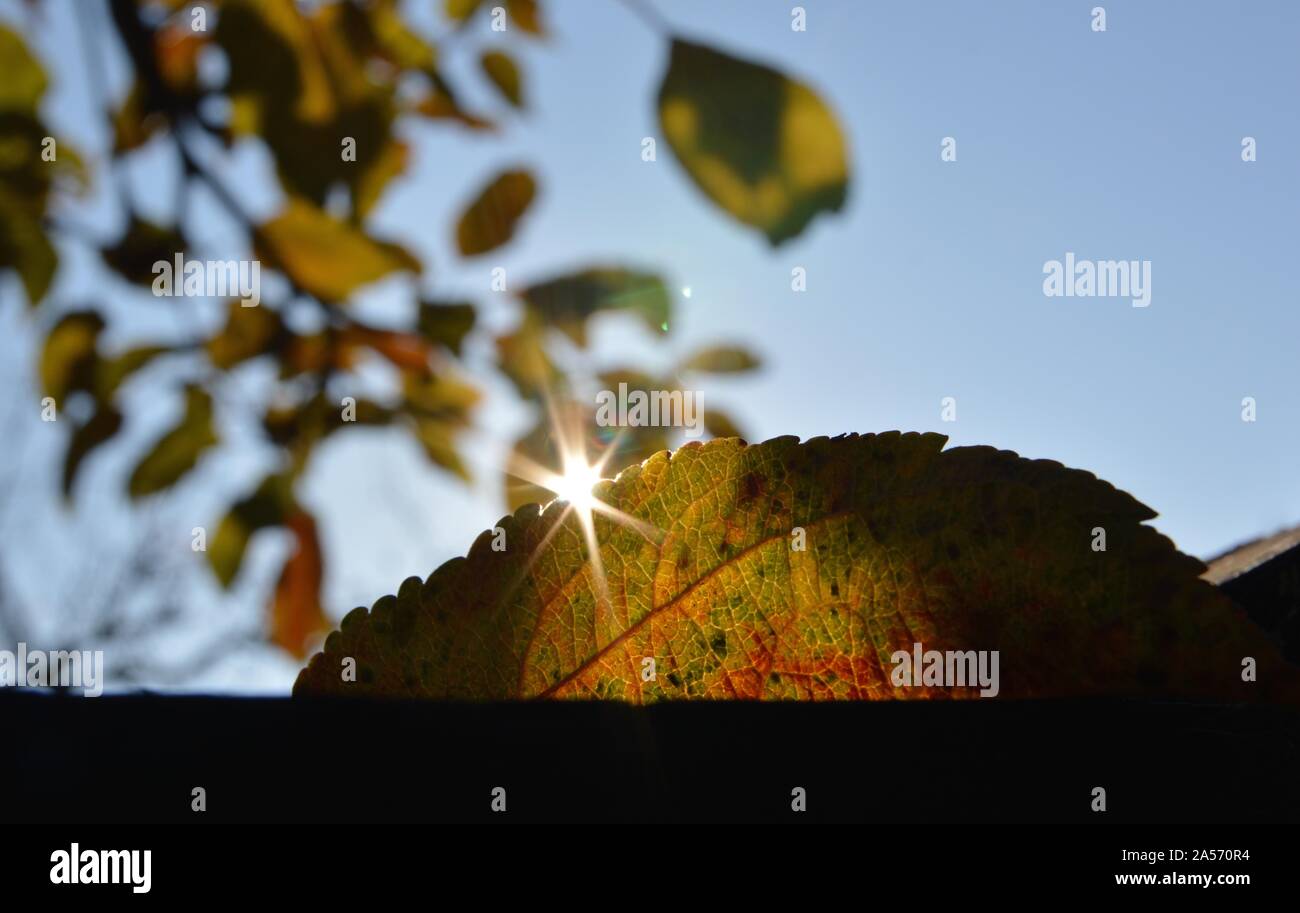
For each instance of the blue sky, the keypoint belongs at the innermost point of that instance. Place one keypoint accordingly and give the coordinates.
(1117, 145)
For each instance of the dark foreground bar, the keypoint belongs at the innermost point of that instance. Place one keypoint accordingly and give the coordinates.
(983, 799)
(121, 759)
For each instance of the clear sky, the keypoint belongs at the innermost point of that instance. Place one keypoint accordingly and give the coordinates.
(1117, 145)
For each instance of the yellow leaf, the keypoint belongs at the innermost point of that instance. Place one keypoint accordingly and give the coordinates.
(324, 256)
(490, 220)
(501, 68)
(762, 146)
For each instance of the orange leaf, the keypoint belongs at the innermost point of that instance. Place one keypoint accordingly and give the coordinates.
(296, 614)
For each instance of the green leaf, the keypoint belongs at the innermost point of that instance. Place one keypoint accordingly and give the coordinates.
(722, 360)
(567, 301)
(326, 257)
(69, 358)
(502, 70)
(176, 452)
(491, 219)
(762, 146)
(24, 80)
(268, 505)
(970, 548)
(103, 423)
(446, 323)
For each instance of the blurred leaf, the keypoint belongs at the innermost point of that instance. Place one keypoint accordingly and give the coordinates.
(133, 125)
(141, 246)
(248, 333)
(113, 372)
(719, 424)
(405, 350)
(68, 358)
(501, 68)
(446, 323)
(390, 163)
(567, 301)
(176, 49)
(440, 104)
(439, 442)
(176, 452)
(296, 615)
(634, 378)
(522, 357)
(24, 78)
(722, 360)
(525, 14)
(440, 407)
(442, 396)
(325, 257)
(763, 147)
(25, 248)
(379, 30)
(460, 10)
(103, 423)
(490, 220)
(303, 81)
(267, 506)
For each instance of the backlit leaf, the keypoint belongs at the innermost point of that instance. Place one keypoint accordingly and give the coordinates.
(491, 219)
(176, 452)
(762, 146)
(970, 548)
(326, 257)
(567, 301)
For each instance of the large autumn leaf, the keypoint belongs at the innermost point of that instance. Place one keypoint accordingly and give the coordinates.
(966, 549)
(763, 146)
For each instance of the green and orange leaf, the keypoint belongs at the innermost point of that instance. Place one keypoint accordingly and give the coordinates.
(969, 548)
